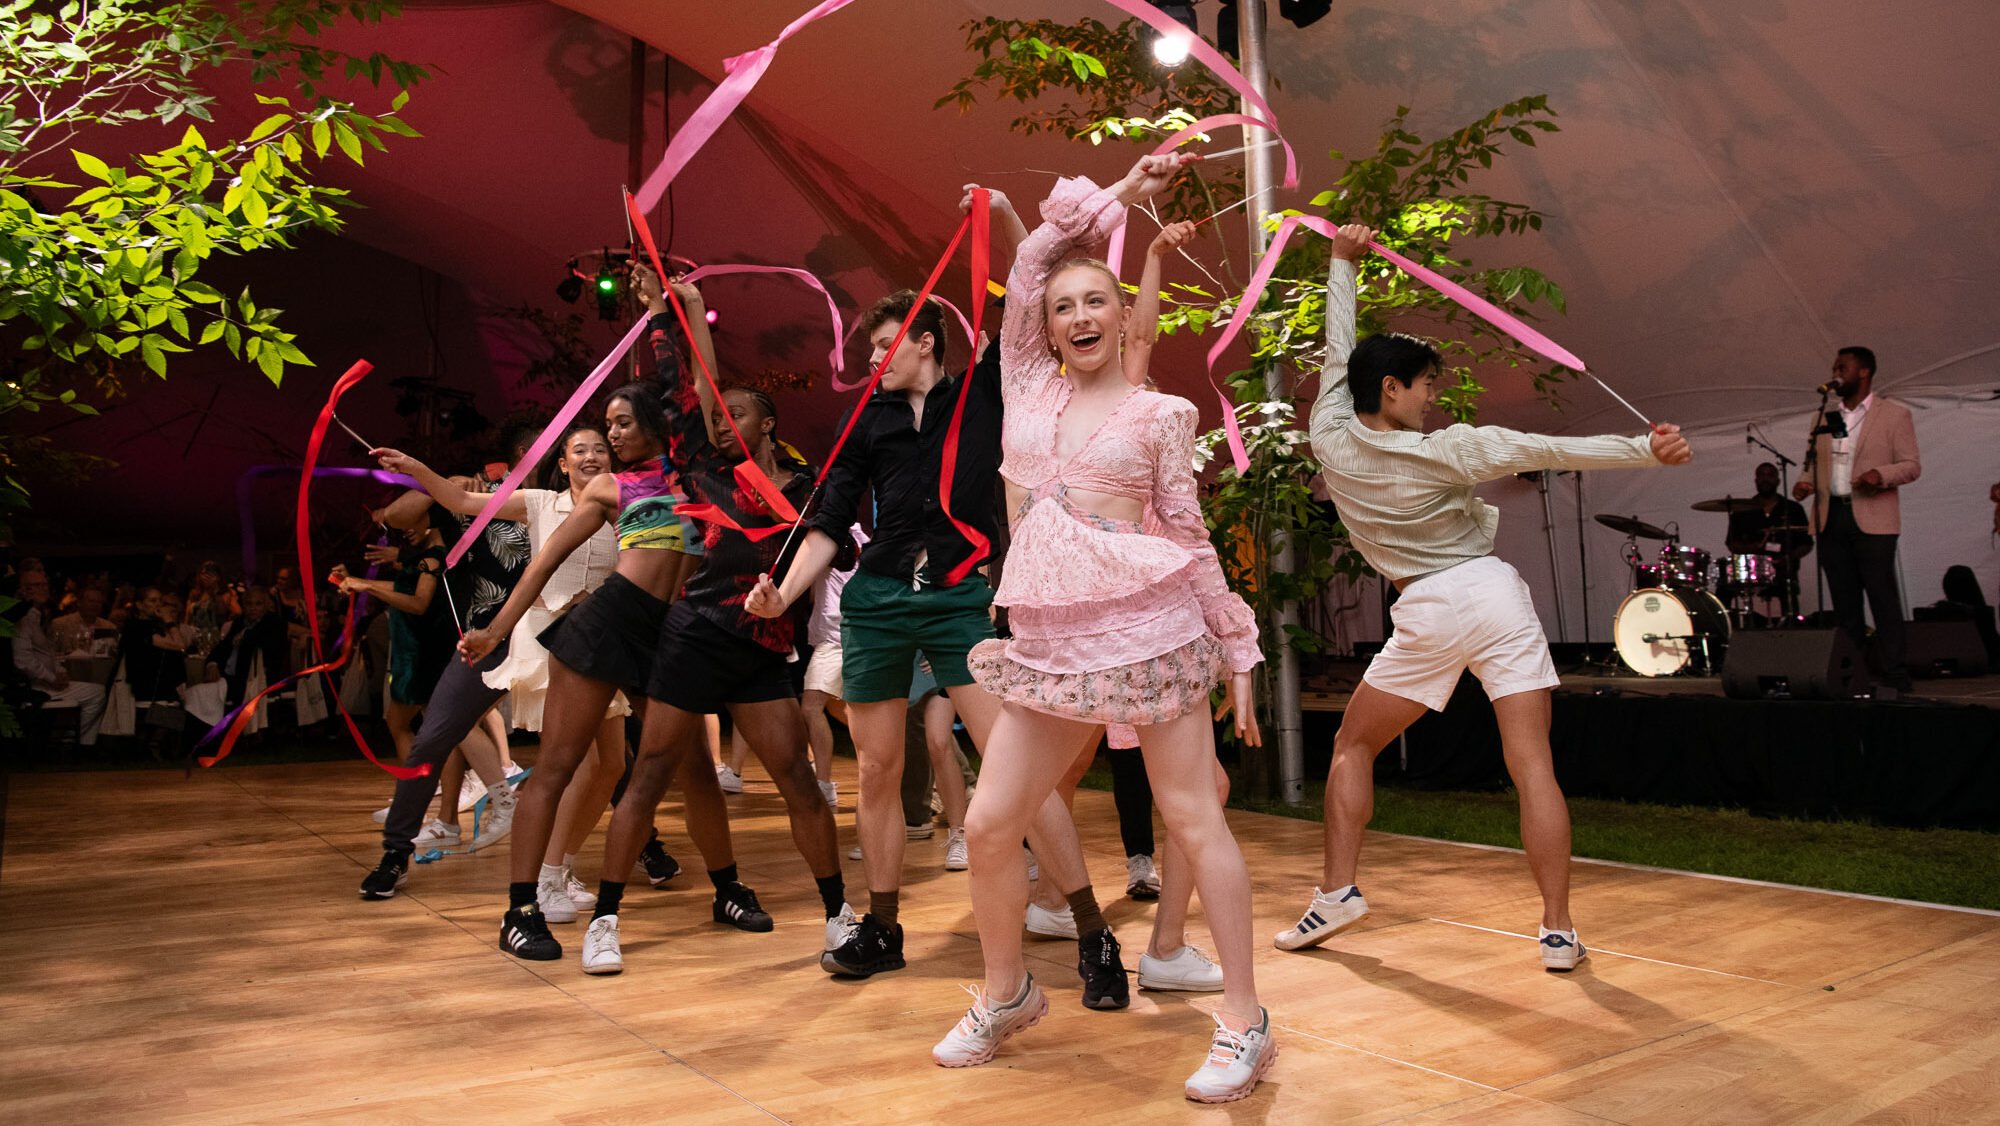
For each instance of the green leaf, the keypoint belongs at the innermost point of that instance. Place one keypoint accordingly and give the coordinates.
(211, 333)
(348, 142)
(397, 103)
(322, 135)
(267, 127)
(254, 211)
(92, 166)
(155, 359)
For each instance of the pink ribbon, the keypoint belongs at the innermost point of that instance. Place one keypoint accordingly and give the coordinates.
(839, 329)
(543, 444)
(1486, 310)
(741, 76)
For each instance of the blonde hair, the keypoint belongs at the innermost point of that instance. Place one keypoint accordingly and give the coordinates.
(1087, 263)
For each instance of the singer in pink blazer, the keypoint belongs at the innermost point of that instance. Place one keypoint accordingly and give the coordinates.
(1855, 481)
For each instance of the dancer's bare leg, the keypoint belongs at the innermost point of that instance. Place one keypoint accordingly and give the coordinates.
(575, 707)
(1177, 887)
(1524, 740)
(451, 778)
(877, 728)
(1026, 753)
(1052, 831)
(819, 732)
(1180, 757)
(777, 735)
(1373, 719)
(589, 792)
(943, 747)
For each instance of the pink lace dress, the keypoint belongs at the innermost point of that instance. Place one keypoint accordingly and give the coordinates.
(1113, 622)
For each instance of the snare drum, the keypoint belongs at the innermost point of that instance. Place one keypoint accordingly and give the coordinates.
(1685, 565)
(1661, 632)
(1749, 570)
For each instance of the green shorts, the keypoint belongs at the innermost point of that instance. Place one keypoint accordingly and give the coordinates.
(884, 624)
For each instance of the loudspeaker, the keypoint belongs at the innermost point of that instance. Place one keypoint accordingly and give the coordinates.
(1934, 649)
(1793, 664)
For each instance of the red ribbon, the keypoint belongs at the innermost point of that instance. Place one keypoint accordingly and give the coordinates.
(341, 386)
(982, 255)
(747, 473)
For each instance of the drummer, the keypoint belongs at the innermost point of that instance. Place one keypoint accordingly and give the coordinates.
(1774, 527)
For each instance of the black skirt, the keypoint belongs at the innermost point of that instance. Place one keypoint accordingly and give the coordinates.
(610, 635)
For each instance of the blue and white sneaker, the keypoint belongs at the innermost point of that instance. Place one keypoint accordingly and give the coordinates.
(1328, 914)
(1561, 951)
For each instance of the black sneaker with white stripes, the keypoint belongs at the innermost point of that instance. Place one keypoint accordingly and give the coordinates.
(388, 876)
(525, 934)
(737, 905)
(873, 949)
(660, 867)
(1102, 969)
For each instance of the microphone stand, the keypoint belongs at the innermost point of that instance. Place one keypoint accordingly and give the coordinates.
(1790, 597)
(1582, 562)
(1820, 425)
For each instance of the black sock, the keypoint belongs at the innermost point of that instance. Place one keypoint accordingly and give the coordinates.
(1083, 904)
(722, 878)
(610, 893)
(521, 894)
(883, 905)
(832, 893)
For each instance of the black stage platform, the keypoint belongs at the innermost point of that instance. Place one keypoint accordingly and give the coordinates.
(1930, 758)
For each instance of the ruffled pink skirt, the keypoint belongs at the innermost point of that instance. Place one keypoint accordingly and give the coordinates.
(1107, 627)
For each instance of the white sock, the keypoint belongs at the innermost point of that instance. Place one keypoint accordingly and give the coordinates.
(552, 873)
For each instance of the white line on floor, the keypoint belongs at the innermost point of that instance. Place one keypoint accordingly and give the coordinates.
(1616, 954)
(1391, 1059)
(1722, 879)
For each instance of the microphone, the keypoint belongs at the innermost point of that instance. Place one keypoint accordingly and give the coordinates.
(1749, 439)
(1827, 388)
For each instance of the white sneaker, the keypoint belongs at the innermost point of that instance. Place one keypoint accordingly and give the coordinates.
(1034, 869)
(1327, 915)
(515, 774)
(552, 897)
(498, 819)
(437, 834)
(854, 853)
(1051, 924)
(1142, 880)
(579, 895)
(1561, 951)
(841, 927)
(600, 947)
(730, 781)
(921, 832)
(1188, 971)
(470, 791)
(984, 1028)
(1236, 1061)
(957, 857)
(381, 816)
(831, 792)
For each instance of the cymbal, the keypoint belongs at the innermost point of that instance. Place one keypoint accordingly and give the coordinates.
(1632, 526)
(1728, 504)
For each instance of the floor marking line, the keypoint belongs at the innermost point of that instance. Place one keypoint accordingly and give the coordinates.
(1746, 881)
(1391, 1059)
(1620, 954)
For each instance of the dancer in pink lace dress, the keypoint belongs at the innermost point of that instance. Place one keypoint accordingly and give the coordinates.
(1111, 624)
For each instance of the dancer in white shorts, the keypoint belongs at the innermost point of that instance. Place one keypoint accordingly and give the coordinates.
(1407, 500)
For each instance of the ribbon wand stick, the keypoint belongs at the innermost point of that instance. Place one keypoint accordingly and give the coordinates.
(1621, 399)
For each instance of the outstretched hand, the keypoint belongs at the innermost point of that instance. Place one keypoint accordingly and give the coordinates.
(396, 461)
(764, 600)
(476, 644)
(1242, 701)
(1152, 174)
(1669, 448)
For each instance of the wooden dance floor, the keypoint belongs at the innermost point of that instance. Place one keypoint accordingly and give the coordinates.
(194, 951)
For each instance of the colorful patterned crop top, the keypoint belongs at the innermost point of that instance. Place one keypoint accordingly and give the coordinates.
(648, 497)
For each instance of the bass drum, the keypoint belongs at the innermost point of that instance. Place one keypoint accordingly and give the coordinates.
(1661, 632)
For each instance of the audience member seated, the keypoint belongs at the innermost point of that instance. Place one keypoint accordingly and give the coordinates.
(87, 632)
(42, 660)
(259, 629)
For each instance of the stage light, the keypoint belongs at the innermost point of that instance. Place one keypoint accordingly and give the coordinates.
(1304, 13)
(711, 316)
(606, 287)
(571, 287)
(1172, 50)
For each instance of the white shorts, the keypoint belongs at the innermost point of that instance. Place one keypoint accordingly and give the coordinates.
(823, 670)
(1477, 615)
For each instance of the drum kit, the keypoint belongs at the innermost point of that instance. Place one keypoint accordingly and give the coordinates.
(1676, 622)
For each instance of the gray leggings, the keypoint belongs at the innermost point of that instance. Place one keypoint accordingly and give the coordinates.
(455, 707)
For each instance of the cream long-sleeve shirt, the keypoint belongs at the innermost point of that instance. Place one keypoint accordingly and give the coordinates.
(1406, 497)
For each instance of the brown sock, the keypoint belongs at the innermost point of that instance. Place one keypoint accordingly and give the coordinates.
(882, 905)
(1083, 904)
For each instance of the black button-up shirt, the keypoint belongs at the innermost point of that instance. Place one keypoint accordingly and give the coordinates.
(905, 463)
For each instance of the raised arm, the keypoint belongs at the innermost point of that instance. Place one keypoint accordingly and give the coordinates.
(1335, 406)
(1008, 230)
(1078, 214)
(600, 498)
(1142, 323)
(646, 285)
(1488, 453)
